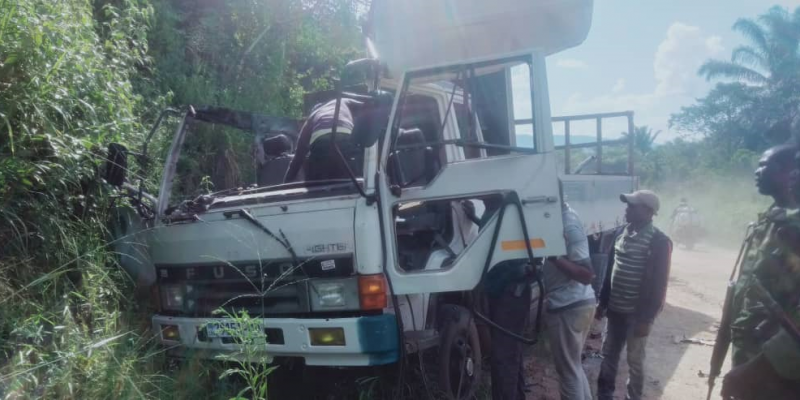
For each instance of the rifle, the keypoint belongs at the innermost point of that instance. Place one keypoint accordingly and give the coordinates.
(776, 311)
(723, 339)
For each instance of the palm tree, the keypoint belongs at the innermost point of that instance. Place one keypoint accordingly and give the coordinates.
(772, 60)
(643, 138)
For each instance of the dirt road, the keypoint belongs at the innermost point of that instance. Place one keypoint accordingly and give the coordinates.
(694, 303)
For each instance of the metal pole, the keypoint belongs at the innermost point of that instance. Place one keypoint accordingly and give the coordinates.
(631, 128)
(599, 145)
(537, 136)
(567, 154)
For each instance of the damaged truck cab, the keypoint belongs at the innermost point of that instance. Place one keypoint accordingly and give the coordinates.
(462, 176)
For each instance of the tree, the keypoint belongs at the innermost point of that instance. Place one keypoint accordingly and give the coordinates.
(731, 116)
(771, 63)
(773, 57)
(643, 138)
(760, 88)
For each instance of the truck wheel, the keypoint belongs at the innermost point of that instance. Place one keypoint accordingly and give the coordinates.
(459, 354)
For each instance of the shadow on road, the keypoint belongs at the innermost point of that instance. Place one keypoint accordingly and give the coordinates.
(663, 354)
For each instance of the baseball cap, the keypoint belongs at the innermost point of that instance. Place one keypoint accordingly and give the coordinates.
(643, 197)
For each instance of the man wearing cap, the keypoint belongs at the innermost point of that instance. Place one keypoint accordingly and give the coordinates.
(634, 293)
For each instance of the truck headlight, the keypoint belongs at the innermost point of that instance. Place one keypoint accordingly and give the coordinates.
(330, 295)
(172, 297)
(334, 294)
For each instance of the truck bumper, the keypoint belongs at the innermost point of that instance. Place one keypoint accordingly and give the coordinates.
(368, 340)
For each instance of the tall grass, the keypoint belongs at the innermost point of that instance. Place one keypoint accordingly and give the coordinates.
(71, 74)
(68, 329)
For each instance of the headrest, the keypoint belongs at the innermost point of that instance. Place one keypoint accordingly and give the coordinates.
(410, 136)
(277, 145)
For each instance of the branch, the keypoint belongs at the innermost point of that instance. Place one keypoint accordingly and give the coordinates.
(753, 31)
(713, 69)
(748, 56)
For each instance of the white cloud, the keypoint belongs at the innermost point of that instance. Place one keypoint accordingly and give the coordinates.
(675, 65)
(680, 55)
(571, 63)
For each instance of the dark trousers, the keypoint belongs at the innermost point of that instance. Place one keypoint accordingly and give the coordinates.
(619, 335)
(324, 162)
(509, 310)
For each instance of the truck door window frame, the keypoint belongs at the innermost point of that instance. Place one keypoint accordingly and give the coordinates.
(480, 140)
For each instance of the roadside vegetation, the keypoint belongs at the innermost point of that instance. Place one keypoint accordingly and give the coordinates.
(78, 74)
(725, 132)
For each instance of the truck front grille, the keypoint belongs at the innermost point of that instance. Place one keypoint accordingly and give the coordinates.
(257, 298)
(261, 289)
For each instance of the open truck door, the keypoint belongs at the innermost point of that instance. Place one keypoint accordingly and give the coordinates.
(133, 214)
(455, 156)
(460, 195)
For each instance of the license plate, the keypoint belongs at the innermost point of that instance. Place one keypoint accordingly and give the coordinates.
(232, 330)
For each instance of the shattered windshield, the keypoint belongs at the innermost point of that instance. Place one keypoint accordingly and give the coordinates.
(215, 158)
(227, 153)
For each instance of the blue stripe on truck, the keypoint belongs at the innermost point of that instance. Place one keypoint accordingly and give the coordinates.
(378, 338)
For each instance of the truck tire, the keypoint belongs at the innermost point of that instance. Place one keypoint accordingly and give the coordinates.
(459, 353)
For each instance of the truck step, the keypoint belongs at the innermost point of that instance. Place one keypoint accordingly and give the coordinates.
(421, 340)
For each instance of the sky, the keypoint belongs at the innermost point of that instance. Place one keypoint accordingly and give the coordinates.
(643, 55)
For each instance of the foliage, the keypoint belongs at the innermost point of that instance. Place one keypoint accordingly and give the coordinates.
(250, 55)
(76, 75)
(761, 87)
(771, 60)
(643, 138)
(65, 89)
(725, 132)
(250, 361)
(259, 56)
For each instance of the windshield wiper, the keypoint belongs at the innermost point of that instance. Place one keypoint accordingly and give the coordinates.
(250, 218)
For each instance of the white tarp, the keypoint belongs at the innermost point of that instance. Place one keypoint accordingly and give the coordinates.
(411, 34)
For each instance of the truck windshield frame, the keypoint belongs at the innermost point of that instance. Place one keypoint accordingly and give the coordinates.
(254, 126)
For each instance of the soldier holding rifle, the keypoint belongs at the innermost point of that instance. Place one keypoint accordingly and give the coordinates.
(769, 266)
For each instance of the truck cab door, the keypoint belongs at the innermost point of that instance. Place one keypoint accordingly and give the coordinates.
(459, 193)
(130, 220)
(129, 231)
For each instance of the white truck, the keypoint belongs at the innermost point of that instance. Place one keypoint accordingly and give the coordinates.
(463, 176)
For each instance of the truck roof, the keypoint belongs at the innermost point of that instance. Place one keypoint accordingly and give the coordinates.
(414, 34)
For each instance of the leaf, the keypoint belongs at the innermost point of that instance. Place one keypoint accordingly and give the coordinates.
(10, 132)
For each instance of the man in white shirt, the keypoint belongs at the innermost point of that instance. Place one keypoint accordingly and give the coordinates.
(570, 307)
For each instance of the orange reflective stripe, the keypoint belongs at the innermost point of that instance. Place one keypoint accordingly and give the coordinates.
(509, 245)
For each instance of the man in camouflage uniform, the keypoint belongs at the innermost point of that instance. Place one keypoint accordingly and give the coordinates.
(773, 371)
(768, 363)
(772, 179)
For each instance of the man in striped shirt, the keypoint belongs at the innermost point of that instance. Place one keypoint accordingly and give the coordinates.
(634, 293)
(314, 148)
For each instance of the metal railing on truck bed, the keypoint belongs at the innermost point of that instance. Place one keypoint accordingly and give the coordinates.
(600, 173)
(598, 144)
(568, 146)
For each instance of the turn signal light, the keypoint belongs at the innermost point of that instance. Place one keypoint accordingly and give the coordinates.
(326, 336)
(170, 332)
(372, 292)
